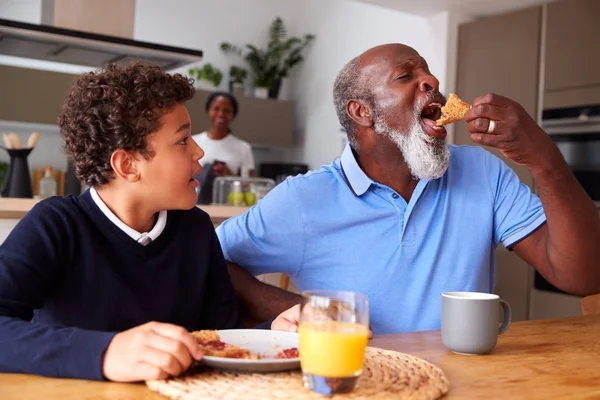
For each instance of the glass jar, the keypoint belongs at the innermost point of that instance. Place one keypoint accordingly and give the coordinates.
(237, 191)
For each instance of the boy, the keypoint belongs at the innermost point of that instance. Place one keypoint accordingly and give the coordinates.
(80, 277)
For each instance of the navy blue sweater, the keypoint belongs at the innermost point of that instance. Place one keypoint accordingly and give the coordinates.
(70, 280)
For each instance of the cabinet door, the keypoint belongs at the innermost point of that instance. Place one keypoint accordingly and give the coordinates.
(501, 55)
(572, 51)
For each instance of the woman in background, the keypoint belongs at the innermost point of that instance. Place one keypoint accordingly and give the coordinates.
(227, 154)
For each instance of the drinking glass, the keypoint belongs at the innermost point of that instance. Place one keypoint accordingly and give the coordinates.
(333, 329)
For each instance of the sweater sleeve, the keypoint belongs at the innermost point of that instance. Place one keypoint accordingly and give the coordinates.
(221, 305)
(32, 261)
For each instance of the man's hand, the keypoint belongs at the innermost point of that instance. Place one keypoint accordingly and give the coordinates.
(289, 320)
(151, 351)
(514, 132)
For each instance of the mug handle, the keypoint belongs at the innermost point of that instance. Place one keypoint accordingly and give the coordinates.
(506, 318)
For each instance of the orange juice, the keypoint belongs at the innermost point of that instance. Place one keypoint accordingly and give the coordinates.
(331, 348)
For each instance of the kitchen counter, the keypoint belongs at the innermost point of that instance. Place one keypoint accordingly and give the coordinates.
(11, 208)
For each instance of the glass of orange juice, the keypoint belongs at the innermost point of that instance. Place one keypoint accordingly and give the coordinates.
(334, 327)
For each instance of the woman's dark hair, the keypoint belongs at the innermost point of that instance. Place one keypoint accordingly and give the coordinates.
(116, 107)
(228, 96)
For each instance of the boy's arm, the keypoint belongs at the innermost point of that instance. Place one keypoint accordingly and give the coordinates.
(31, 266)
(31, 261)
(220, 306)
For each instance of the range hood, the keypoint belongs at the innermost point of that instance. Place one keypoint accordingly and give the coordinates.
(48, 43)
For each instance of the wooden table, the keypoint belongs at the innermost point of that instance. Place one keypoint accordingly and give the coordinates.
(545, 359)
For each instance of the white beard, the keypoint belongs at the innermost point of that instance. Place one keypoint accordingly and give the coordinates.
(427, 157)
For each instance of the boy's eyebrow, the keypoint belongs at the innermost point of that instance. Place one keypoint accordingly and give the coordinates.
(183, 127)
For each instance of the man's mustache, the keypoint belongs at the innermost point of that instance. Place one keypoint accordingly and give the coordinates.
(435, 95)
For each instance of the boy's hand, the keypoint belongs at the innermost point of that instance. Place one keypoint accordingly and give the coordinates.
(151, 351)
(289, 319)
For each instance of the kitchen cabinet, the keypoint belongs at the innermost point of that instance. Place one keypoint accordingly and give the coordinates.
(500, 54)
(36, 96)
(572, 58)
(30, 95)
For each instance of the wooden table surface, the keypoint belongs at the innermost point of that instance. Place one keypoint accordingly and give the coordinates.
(544, 359)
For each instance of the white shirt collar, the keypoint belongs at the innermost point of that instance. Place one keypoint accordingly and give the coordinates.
(139, 237)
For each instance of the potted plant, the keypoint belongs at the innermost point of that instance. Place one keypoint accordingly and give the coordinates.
(262, 72)
(208, 77)
(237, 75)
(287, 52)
(269, 66)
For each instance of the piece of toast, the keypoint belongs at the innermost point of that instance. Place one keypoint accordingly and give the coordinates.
(211, 345)
(454, 110)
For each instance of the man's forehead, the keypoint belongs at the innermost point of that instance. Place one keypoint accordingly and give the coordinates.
(391, 53)
(381, 59)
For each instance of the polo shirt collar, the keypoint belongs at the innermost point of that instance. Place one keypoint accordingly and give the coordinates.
(358, 181)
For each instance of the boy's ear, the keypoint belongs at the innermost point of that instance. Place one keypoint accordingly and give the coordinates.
(124, 165)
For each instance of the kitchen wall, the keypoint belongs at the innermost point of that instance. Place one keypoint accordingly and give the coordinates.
(344, 29)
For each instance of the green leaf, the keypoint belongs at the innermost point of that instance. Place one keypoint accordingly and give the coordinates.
(277, 30)
(273, 61)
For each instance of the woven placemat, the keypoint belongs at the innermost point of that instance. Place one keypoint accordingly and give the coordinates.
(386, 375)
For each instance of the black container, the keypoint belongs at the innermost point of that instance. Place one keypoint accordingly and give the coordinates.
(18, 179)
(274, 89)
(72, 184)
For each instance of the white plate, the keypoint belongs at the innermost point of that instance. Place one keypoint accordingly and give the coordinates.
(258, 341)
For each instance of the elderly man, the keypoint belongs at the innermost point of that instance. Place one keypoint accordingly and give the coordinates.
(403, 217)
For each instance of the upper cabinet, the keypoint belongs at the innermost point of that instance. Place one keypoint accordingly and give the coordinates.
(502, 54)
(572, 49)
(490, 61)
(572, 60)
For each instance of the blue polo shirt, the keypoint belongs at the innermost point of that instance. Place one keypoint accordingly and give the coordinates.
(335, 228)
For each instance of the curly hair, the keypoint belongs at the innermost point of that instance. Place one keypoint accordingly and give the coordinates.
(114, 108)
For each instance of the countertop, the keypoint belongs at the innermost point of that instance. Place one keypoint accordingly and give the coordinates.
(11, 208)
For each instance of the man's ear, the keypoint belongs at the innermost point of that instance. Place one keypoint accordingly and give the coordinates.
(124, 164)
(360, 113)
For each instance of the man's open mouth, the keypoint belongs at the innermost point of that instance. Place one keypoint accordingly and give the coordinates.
(432, 111)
